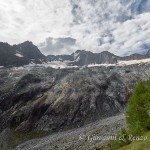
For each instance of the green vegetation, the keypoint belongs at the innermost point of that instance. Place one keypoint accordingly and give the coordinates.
(139, 145)
(122, 140)
(138, 120)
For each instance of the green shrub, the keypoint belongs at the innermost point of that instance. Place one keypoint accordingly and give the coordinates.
(121, 140)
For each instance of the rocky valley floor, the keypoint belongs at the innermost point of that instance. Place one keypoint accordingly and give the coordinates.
(89, 137)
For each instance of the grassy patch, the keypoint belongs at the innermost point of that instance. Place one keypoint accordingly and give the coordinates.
(135, 145)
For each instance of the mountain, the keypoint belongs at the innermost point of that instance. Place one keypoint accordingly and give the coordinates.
(21, 54)
(64, 98)
(82, 57)
(26, 53)
(60, 58)
(30, 51)
(137, 56)
(52, 100)
(134, 57)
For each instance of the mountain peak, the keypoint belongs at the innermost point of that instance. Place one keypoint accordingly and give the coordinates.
(106, 52)
(27, 42)
(19, 55)
(80, 51)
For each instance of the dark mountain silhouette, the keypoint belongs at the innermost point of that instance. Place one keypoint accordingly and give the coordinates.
(21, 54)
(26, 53)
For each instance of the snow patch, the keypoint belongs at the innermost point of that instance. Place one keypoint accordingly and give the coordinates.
(130, 62)
(76, 55)
(52, 64)
(18, 68)
(62, 65)
(56, 64)
(18, 55)
(60, 59)
(77, 59)
(123, 63)
(98, 65)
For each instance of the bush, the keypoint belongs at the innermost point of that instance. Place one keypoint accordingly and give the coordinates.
(121, 140)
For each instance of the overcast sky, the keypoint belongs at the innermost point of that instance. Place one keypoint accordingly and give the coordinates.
(62, 26)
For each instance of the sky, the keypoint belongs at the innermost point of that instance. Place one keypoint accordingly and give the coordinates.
(63, 26)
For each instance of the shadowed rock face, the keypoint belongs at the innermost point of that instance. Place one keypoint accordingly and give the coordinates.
(56, 99)
(60, 58)
(86, 58)
(21, 54)
(82, 58)
(26, 53)
(5, 138)
(30, 51)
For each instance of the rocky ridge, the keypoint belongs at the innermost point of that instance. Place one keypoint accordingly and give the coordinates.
(83, 58)
(27, 53)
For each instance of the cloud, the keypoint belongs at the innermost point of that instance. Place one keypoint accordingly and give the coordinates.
(33, 20)
(119, 26)
(132, 36)
(58, 46)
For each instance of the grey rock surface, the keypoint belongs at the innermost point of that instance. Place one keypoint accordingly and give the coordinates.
(59, 99)
(19, 55)
(54, 100)
(89, 137)
(83, 58)
(5, 137)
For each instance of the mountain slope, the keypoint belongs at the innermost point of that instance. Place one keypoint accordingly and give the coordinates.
(79, 138)
(54, 99)
(8, 56)
(21, 54)
(30, 51)
(85, 58)
(26, 53)
(82, 57)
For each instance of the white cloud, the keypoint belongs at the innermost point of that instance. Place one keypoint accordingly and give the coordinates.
(58, 46)
(120, 26)
(133, 35)
(33, 20)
